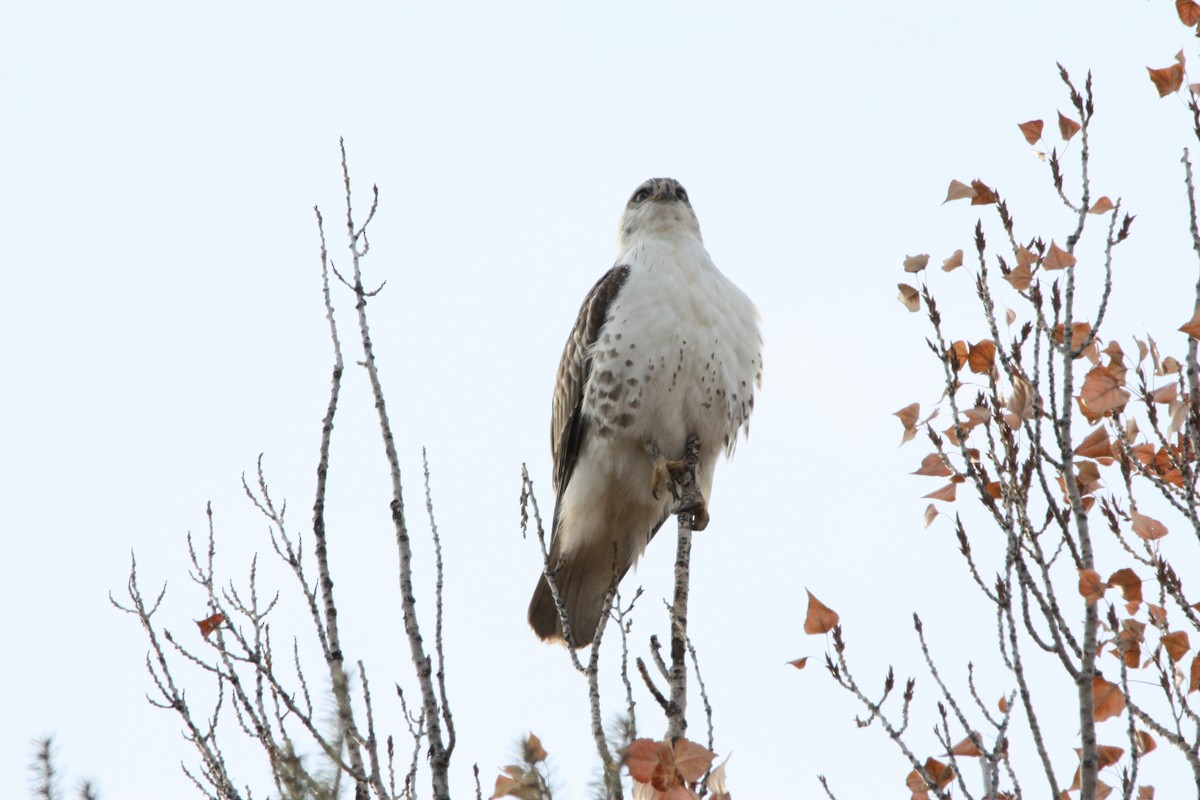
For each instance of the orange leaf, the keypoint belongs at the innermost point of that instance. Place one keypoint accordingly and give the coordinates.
(1129, 583)
(1090, 585)
(1145, 743)
(1032, 130)
(1057, 258)
(1165, 394)
(908, 418)
(1080, 331)
(507, 786)
(1192, 327)
(799, 663)
(1167, 80)
(1101, 392)
(966, 748)
(958, 191)
(958, 355)
(909, 297)
(933, 465)
(982, 356)
(1102, 206)
(941, 773)
(1107, 699)
(1158, 614)
(1129, 642)
(1147, 527)
(1097, 445)
(533, 746)
(1067, 127)
(916, 263)
(1003, 705)
(1194, 682)
(643, 758)
(1019, 277)
(820, 618)
(1189, 12)
(210, 624)
(953, 262)
(946, 493)
(1108, 755)
(983, 195)
(692, 760)
(1176, 644)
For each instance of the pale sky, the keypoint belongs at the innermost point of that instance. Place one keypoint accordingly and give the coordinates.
(162, 326)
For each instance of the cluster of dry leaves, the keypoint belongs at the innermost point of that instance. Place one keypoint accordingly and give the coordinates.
(1136, 634)
(660, 770)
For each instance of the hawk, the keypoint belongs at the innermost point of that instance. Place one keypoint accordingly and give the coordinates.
(664, 357)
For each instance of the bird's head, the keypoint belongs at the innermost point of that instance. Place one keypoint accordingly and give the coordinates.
(659, 207)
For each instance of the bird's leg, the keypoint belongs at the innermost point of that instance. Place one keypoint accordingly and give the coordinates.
(680, 477)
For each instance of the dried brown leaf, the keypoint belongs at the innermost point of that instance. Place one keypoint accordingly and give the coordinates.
(820, 617)
(1176, 645)
(1101, 392)
(1091, 586)
(533, 747)
(1067, 127)
(1101, 206)
(1189, 12)
(1107, 699)
(1167, 80)
(1058, 258)
(210, 624)
(933, 465)
(1032, 130)
(966, 748)
(1147, 527)
(953, 262)
(1129, 584)
(908, 418)
(984, 195)
(909, 297)
(947, 493)
(1192, 326)
(958, 191)
(916, 263)
(1097, 445)
(981, 357)
(1019, 277)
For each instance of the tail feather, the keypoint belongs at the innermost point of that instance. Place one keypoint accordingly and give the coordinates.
(583, 578)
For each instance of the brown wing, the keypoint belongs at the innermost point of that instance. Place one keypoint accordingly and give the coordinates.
(566, 422)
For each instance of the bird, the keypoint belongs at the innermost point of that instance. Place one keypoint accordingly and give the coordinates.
(657, 379)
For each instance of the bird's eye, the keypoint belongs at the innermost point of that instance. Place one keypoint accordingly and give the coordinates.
(641, 195)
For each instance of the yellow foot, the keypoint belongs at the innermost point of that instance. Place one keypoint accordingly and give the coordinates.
(666, 469)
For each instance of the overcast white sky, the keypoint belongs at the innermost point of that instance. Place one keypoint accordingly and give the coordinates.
(162, 326)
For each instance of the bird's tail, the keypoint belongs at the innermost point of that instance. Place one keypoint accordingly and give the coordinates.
(583, 579)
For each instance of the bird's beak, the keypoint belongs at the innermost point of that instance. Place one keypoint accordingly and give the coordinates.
(665, 193)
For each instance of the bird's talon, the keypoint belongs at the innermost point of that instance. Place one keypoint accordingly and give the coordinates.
(666, 469)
